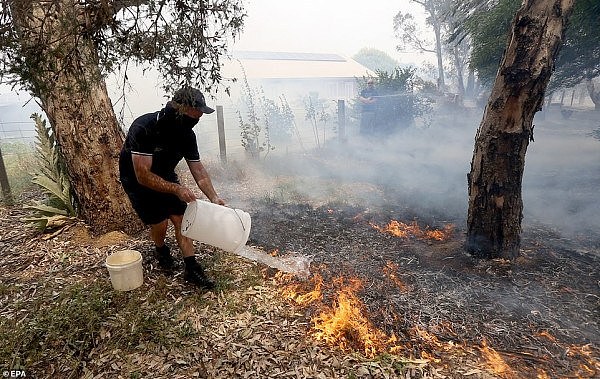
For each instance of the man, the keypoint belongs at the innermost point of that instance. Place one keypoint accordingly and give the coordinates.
(367, 98)
(155, 144)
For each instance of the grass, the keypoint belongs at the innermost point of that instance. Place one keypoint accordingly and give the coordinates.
(62, 328)
(19, 161)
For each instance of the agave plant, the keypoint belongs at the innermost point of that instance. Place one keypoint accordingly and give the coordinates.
(59, 208)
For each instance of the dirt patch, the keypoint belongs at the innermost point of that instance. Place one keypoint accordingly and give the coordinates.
(111, 239)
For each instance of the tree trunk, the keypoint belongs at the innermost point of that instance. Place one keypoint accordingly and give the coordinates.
(495, 199)
(76, 102)
(460, 81)
(4, 183)
(438, 52)
(594, 94)
(470, 90)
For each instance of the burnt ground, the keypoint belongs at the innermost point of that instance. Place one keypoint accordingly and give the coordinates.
(540, 313)
(532, 311)
(453, 316)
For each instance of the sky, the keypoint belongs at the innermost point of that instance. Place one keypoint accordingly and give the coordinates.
(326, 26)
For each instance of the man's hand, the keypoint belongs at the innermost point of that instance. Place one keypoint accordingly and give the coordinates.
(217, 200)
(185, 194)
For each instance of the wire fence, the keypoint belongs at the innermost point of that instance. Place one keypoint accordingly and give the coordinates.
(304, 134)
(17, 141)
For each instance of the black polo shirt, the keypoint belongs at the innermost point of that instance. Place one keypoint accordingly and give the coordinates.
(166, 136)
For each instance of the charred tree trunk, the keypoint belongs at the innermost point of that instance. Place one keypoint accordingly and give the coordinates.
(495, 199)
(75, 100)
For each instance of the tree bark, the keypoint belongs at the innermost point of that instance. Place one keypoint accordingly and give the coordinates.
(594, 94)
(459, 66)
(77, 104)
(437, 28)
(4, 183)
(495, 200)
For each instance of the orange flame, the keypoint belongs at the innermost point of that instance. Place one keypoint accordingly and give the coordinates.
(389, 271)
(292, 292)
(402, 230)
(495, 360)
(591, 367)
(345, 324)
(546, 334)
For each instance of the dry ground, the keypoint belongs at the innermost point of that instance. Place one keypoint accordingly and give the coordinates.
(414, 307)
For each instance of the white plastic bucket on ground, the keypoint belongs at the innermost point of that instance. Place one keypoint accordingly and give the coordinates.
(125, 269)
(216, 225)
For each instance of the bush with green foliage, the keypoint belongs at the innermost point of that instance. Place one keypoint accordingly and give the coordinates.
(400, 100)
(279, 118)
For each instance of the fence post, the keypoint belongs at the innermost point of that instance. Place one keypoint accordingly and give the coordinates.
(341, 121)
(221, 128)
(6, 194)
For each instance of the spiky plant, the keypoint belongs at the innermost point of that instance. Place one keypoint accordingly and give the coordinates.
(60, 206)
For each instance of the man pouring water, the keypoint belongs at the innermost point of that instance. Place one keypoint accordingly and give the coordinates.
(155, 144)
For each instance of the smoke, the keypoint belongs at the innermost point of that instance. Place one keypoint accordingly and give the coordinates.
(424, 169)
(421, 169)
(562, 175)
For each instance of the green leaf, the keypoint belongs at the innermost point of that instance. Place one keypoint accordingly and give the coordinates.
(51, 187)
(47, 209)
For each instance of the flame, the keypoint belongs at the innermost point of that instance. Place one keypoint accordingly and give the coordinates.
(546, 334)
(390, 270)
(495, 360)
(591, 366)
(292, 292)
(345, 325)
(402, 230)
(425, 335)
(439, 235)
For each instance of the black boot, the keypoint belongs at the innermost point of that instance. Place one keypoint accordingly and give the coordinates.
(165, 260)
(194, 274)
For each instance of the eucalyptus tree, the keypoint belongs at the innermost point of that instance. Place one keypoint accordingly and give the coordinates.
(375, 60)
(408, 33)
(494, 182)
(487, 24)
(61, 51)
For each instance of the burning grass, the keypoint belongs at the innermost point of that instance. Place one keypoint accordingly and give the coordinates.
(377, 305)
(413, 294)
(413, 230)
(345, 324)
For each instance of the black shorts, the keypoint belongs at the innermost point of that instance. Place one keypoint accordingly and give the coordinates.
(153, 207)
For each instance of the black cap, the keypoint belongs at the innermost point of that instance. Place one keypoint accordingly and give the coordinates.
(192, 97)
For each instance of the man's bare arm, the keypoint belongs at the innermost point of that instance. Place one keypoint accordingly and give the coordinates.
(142, 165)
(203, 181)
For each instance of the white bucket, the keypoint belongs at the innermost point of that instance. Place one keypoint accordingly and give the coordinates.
(216, 225)
(125, 269)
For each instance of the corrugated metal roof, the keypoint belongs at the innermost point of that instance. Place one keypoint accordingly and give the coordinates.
(305, 68)
(285, 56)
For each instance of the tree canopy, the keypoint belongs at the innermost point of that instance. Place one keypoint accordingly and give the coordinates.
(182, 39)
(375, 60)
(488, 23)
